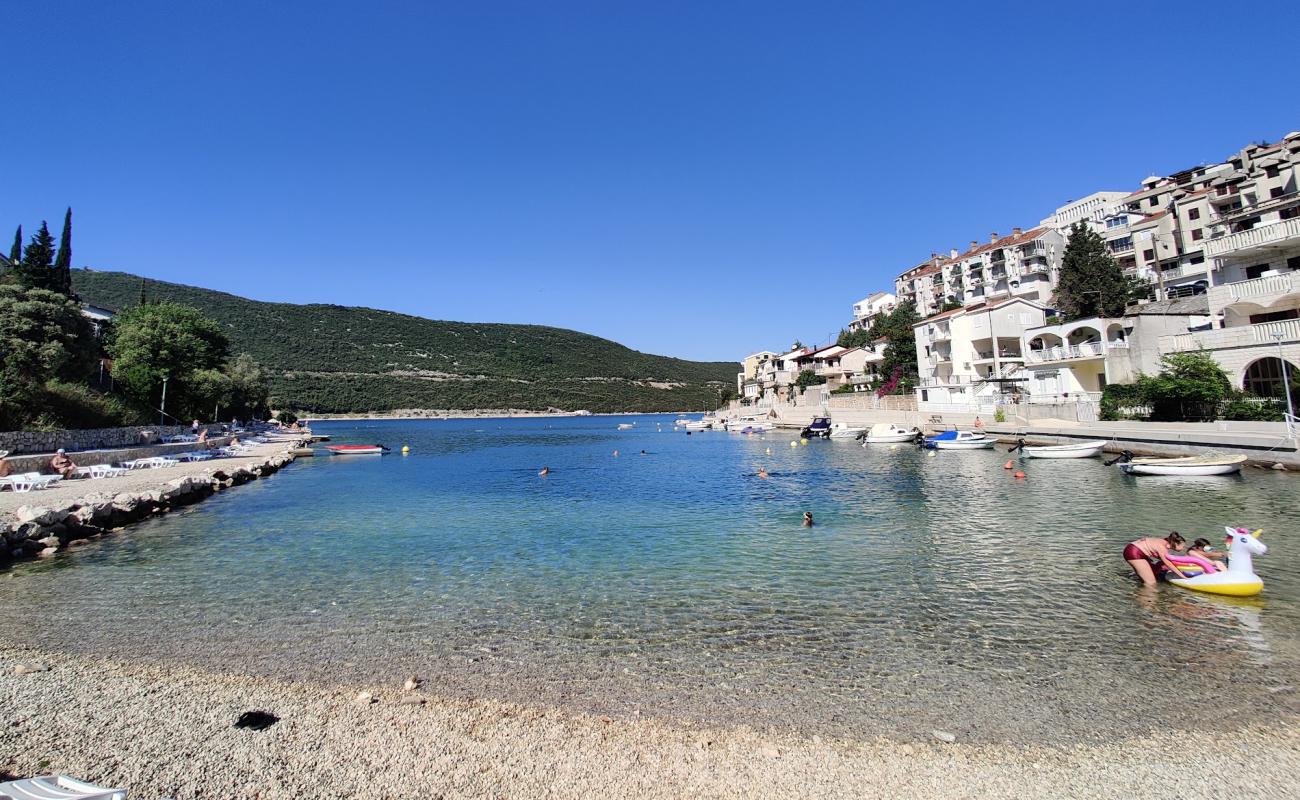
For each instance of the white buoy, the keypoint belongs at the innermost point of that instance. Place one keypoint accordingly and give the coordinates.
(794, 444)
(930, 454)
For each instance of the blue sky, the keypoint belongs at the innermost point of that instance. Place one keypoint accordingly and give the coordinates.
(692, 179)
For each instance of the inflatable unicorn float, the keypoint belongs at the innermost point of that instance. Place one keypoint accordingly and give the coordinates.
(1238, 580)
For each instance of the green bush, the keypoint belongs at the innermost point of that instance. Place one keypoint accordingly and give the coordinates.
(286, 417)
(845, 389)
(73, 405)
(1116, 398)
(1241, 406)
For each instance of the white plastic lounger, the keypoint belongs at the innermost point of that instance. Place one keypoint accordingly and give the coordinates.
(32, 480)
(58, 787)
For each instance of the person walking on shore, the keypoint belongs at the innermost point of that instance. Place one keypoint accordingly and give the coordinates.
(1145, 555)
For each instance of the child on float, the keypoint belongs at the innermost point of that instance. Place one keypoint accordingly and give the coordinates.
(1201, 549)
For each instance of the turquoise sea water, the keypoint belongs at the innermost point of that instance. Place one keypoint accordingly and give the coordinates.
(934, 592)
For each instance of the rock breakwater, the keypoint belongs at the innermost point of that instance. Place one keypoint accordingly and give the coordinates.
(65, 519)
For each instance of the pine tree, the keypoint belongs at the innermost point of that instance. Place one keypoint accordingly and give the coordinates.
(16, 252)
(144, 300)
(1091, 283)
(63, 261)
(35, 270)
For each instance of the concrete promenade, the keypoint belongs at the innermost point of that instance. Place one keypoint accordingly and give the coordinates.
(1264, 443)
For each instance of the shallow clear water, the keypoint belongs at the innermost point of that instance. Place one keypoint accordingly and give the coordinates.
(934, 592)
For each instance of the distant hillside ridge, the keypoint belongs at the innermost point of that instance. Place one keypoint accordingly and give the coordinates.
(347, 360)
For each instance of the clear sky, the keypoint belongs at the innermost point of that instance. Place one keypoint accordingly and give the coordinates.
(698, 179)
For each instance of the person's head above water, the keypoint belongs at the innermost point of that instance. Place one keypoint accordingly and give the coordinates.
(807, 519)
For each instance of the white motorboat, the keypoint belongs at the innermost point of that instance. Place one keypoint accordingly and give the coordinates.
(697, 424)
(841, 430)
(888, 432)
(749, 425)
(1076, 450)
(959, 440)
(1187, 465)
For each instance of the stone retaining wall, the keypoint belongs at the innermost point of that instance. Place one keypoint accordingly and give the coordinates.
(90, 438)
(36, 530)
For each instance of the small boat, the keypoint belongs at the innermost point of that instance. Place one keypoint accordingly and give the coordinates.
(840, 430)
(697, 425)
(959, 440)
(626, 426)
(1238, 580)
(1187, 465)
(748, 425)
(888, 432)
(820, 428)
(356, 449)
(1078, 450)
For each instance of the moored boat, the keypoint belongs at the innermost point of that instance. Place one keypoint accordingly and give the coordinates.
(959, 440)
(1187, 465)
(356, 449)
(842, 430)
(888, 432)
(1075, 450)
(819, 428)
(748, 425)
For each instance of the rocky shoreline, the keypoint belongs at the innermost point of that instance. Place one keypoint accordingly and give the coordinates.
(162, 730)
(54, 519)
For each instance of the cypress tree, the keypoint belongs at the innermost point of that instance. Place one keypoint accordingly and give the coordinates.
(1091, 283)
(144, 301)
(16, 252)
(35, 270)
(63, 261)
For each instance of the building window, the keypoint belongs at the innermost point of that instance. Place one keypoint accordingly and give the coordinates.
(1198, 234)
(1293, 262)
(1256, 271)
(1148, 254)
(1264, 377)
(1199, 258)
(1271, 171)
(1277, 191)
(1153, 201)
(1117, 222)
(1194, 213)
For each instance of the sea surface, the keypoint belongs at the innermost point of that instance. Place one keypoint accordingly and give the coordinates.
(935, 592)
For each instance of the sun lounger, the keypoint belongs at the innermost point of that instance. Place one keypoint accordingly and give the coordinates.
(193, 456)
(31, 480)
(58, 787)
(150, 463)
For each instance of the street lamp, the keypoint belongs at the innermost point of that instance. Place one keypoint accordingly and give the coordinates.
(162, 407)
(1286, 381)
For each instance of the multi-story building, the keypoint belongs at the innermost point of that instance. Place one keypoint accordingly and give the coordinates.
(1093, 210)
(968, 354)
(865, 311)
(1254, 246)
(1072, 361)
(747, 378)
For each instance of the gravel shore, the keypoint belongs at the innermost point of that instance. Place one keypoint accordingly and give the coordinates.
(139, 480)
(168, 732)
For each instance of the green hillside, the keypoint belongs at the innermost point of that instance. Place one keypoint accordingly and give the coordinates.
(336, 359)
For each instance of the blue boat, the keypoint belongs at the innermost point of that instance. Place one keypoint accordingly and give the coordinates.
(959, 440)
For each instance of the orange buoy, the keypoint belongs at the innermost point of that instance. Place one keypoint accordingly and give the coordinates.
(1020, 475)
(1007, 465)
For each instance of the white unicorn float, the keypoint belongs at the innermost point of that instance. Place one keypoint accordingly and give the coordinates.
(1238, 580)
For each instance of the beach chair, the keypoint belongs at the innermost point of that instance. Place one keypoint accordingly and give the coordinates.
(106, 471)
(32, 480)
(57, 787)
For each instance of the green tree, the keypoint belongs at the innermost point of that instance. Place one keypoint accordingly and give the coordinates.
(62, 279)
(249, 387)
(43, 336)
(1091, 283)
(897, 328)
(34, 270)
(16, 252)
(808, 378)
(165, 340)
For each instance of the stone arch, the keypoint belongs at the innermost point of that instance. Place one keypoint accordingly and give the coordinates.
(1115, 333)
(1263, 377)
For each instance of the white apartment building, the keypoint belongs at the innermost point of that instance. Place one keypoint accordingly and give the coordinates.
(1093, 209)
(866, 310)
(971, 355)
(747, 378)
(1022, 264)
(1254, 247)
(1074, 361)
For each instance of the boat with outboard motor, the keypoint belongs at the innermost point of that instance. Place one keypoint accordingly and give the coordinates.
(819, 428)
(1075, 450)
(889, 433)
(959, 440)
(748, 425)
(843, 430)
(1186, 465)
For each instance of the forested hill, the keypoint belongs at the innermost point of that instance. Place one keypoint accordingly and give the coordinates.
(336, 359)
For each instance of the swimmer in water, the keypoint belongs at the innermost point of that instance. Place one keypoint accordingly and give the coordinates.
(807, 519)
(762, 472)
(545, 471)
(644, 453)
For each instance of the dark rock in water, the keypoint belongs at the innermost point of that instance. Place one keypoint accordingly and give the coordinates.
(256, 720)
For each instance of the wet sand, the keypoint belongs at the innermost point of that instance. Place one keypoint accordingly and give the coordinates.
(168, 731)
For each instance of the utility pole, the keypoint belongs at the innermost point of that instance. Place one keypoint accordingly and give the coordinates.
(162, 407)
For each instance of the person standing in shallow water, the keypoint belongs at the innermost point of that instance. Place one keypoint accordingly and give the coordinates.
(807, 519)
(1147, 555)
(762, 472)
(545, 471)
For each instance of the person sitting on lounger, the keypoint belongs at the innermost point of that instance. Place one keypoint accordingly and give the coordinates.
(63, 465)
(5, 469)
(203, 438)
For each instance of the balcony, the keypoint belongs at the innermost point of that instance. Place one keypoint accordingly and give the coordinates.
(939, 333)
(1242, 336)
(1074, 352)
(1005, 355)
(1261, 236)
(1033, 249)
(950, 380)
(1262, 292)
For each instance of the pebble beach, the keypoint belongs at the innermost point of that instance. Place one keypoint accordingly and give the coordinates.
(169, 732)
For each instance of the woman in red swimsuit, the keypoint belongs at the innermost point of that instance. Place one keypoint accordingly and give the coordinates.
(1144, 555)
